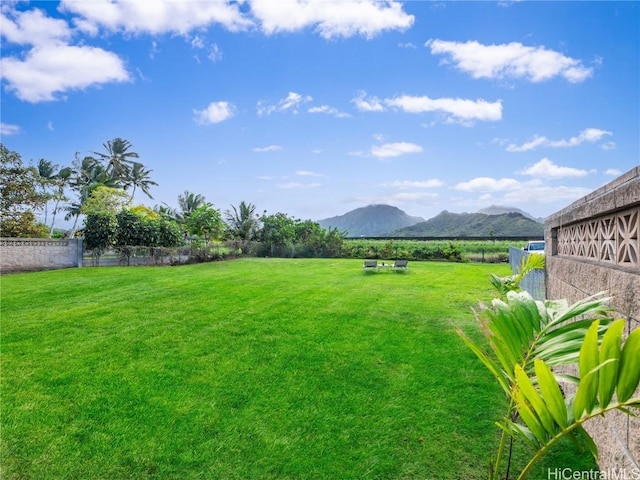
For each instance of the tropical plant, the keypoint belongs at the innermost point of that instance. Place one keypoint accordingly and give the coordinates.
(61, 181)
(188, 202)
(243, 223)
(118, 158)
(278, 232)
(139, 178)
(105, 199)
(87, 174)
(511, 283)
(527, 339)
(20, 197)
(46, 175)
(100, 229)
(205, 221)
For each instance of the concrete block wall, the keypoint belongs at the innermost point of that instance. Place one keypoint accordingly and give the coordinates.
(593, 245)
(31, 254)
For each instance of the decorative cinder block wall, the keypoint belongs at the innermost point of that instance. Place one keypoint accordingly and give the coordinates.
(30, 254)
(593, 245)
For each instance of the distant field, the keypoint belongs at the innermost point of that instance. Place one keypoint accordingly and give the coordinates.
(248, 369)
(490, 251)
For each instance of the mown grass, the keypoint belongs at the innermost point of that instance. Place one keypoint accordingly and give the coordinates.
(248, 369)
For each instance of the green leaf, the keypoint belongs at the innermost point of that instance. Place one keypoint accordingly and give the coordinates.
(588, 387)
(529, 418)
(521, 432)
(609, 350)
(534, 399)
(490, 364)
(629, 371)
(582, 434)
(551, 393)
(593, 305)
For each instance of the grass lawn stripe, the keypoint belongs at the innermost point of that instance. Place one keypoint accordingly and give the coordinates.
(255, 368)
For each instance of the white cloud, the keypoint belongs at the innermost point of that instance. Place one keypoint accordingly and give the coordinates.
(215, 53)
(197, 42)
(364, 104)
(512, 60)
(49, 70)
(532, 144)
(157, 17)
(389, 150)
(295, 185)
(614, 172)
(366, 18)
(406, 184)
(9, 129)
(547, 169)
(608, 146)
(270, 148)
(536, 194)
(487, 184)
(589, 135)
(289, 104)
(216, 112)
(50, 126)
(407, 45)
(455, 109)
(458, 108)
(329, 111)
(306, 173)
(33, 27)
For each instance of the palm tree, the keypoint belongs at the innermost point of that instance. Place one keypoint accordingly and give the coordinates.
(118, 158)
(46, 175)
(139, 177)
(61, 181)
(242, 221)
(87, 174)
(188, 203)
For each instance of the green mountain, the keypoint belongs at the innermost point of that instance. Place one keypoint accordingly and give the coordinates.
(499, 209)
(447, 224)
(371, 221)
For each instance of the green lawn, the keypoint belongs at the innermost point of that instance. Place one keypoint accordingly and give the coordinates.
(248, 369)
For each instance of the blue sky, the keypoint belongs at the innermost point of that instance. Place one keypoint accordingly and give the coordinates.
(314, 108)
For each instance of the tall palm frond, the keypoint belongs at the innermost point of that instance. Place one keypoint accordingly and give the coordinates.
(242, 220)
(188, 202)
(118, 159)
(139, 178)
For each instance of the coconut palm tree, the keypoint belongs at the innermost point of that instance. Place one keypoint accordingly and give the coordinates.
(139, 178)
(118, 159)
(242, 220)
(46, 175)
(61, 181)
(188, 203)
(87, 174)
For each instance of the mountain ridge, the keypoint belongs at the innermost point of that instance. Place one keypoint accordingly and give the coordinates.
(370, 221)
(447, 224)
(381, 220)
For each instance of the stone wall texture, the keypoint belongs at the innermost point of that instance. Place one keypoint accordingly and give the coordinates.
(593, 245)
(31, 254)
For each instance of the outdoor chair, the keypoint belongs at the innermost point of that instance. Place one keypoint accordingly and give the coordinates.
(400, 265)
(370, 265)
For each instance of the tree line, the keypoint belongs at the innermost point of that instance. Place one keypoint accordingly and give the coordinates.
(100, 188)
